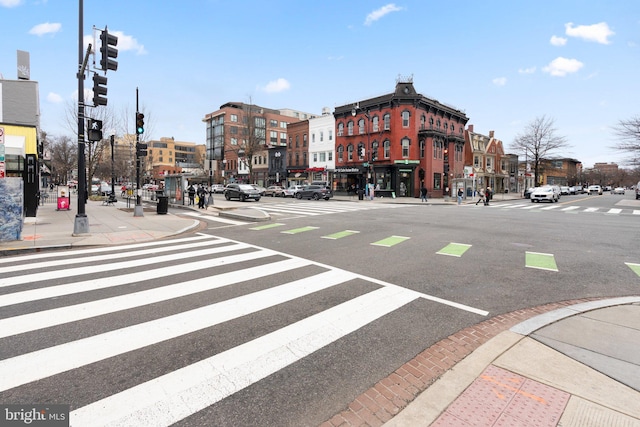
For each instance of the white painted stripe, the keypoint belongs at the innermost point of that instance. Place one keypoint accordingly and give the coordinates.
(591, 209)
(614, 211)
(43, 363)
(111, 256)
(174, 396)
(513, 206)
(548, 208)
(636, 212)
(80, 252)
(290, 211)
(58, 316)
(114, 267)
(570, 208)
(123, 279)
(531, 206)
(216, 218)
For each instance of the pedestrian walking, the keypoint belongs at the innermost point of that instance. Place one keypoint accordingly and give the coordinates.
(423, 193)
(460, 194)
(192, 195)
(201, 196)
(480, 196)
(487, 196)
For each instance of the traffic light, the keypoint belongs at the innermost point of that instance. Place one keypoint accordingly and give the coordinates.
(141, 149)
(99, 90)
(108, 51)
(139, 123)
(94, 130)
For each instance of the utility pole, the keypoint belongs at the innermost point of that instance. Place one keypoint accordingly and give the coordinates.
(141, 151)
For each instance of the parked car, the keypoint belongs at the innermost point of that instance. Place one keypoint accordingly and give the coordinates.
(576, 189)
(292, 190)
(549, 193)
(564, 190)
(607, 188)
(594, 189)
(217, 188)
(105, 188)
(274, 191)
(241, 192)
(315, 192)
(618, 190)
(260, 189)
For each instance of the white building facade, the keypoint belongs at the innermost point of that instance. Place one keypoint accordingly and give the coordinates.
(322, 163)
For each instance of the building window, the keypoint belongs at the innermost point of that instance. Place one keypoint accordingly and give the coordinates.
(297, 141)
(234, 141)
(350, 128)
(315, 157)
(405, 119)
(361, 126)
(304, 140)
(273, 137)
(437, 149)
(290, 142)
(330, 135)
(340, 129)
(304, 158)
(340, 154)
(350, 152)
(387, 148)
(376, 123)
(234, 118)
(458, 154)
(387, 121)
(313, 137)
(273, 123)
(233, 130)
(330, 156)
(438, 124)
(422, 148)
(323, 157)
(437, 181)
(476, 161)
(423, 120)
(405, 147)
(489, 163)
(283, 138)
(321, 136)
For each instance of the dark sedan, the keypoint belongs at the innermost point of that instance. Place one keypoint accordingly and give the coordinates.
(241, 192)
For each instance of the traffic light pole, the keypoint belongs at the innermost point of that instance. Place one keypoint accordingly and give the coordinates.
(81, 223)
(138, 210)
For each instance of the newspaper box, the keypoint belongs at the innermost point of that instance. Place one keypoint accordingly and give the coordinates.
(64, 198)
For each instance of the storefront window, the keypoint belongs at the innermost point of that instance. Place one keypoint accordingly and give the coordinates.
(437, 181)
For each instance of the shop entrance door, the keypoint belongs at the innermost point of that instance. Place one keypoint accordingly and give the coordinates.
(405, 187)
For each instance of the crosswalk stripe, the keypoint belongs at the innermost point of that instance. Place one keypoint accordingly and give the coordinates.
(124, 265)
(58, 316)
(454, 249)
(194, 387)
(113, 256)
(548, 208)
(570, 208)
(79, 252)
(299, 230)
(540, 261)
(340, 234)
(634, 267)
(636, 212)
(390, 241)
(614, 211)
(591, 209)
(43, 363)
(215, 218)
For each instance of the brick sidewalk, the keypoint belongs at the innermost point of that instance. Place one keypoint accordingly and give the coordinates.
(389, 396)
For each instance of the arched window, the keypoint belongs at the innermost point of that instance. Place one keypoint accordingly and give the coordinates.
(405, 147)
(350, 152)
(387, 121)
(423, 147)
(423, 121)
(361, 128)
(405, 118)
(340, 129)
(340, 153)
(387, 148)
(350, 128)
(376, 123)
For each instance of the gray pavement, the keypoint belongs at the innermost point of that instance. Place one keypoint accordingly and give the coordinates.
(575, 366)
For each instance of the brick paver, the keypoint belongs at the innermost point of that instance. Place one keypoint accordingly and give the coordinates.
(415, 376)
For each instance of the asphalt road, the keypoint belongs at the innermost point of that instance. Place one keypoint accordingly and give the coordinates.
(284, 323)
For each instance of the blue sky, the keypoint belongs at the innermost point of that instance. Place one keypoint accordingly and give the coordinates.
(504, 62)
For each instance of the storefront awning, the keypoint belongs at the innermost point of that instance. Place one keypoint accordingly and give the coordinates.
(20, 140)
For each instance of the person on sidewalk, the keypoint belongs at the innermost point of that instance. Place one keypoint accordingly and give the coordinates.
(487, 195)
(423, 194)
(201, 196)
(480, 196)
(460, 194)
(192, 195)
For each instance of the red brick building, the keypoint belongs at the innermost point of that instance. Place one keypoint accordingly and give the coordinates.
(399, 142)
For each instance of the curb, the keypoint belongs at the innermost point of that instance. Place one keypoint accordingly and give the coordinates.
(390, 395)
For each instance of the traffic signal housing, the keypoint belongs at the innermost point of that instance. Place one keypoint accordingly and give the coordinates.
(108, 51)
(141, 149)
(139, 123)
(99, 90)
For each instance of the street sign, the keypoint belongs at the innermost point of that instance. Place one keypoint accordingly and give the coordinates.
(365, 165)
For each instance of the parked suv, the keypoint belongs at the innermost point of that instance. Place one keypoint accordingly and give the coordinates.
(241, 192)
(315, 192)
(595, 189)
(550, 193)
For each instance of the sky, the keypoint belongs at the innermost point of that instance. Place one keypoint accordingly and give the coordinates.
(503, 62)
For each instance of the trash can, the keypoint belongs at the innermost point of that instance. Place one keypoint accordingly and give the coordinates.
(163, 204)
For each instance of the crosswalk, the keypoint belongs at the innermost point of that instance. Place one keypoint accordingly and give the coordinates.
(561, 208)
(94, 311)
(302, 209)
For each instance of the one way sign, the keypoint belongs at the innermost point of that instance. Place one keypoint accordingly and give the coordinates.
(95, 130)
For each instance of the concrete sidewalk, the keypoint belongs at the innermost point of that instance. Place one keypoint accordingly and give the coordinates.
(569, 363)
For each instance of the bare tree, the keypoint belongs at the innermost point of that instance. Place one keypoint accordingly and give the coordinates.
(64, 157)
(538, 142)
(628, 132)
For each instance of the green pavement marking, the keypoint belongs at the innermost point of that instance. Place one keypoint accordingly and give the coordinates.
(390, 241)
(266, 226)
(340, 234)
(299, 230)
(634, 267)
(540, 261)
(454, 249)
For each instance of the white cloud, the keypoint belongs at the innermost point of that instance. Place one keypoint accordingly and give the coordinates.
(46, 28)
(54, 98)
(560, 66)
(500, 81)
(128, 43)
(598, 33)
(10, 3)
(276, 86)
(379, 13)
(529, 70)
(558, 41)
